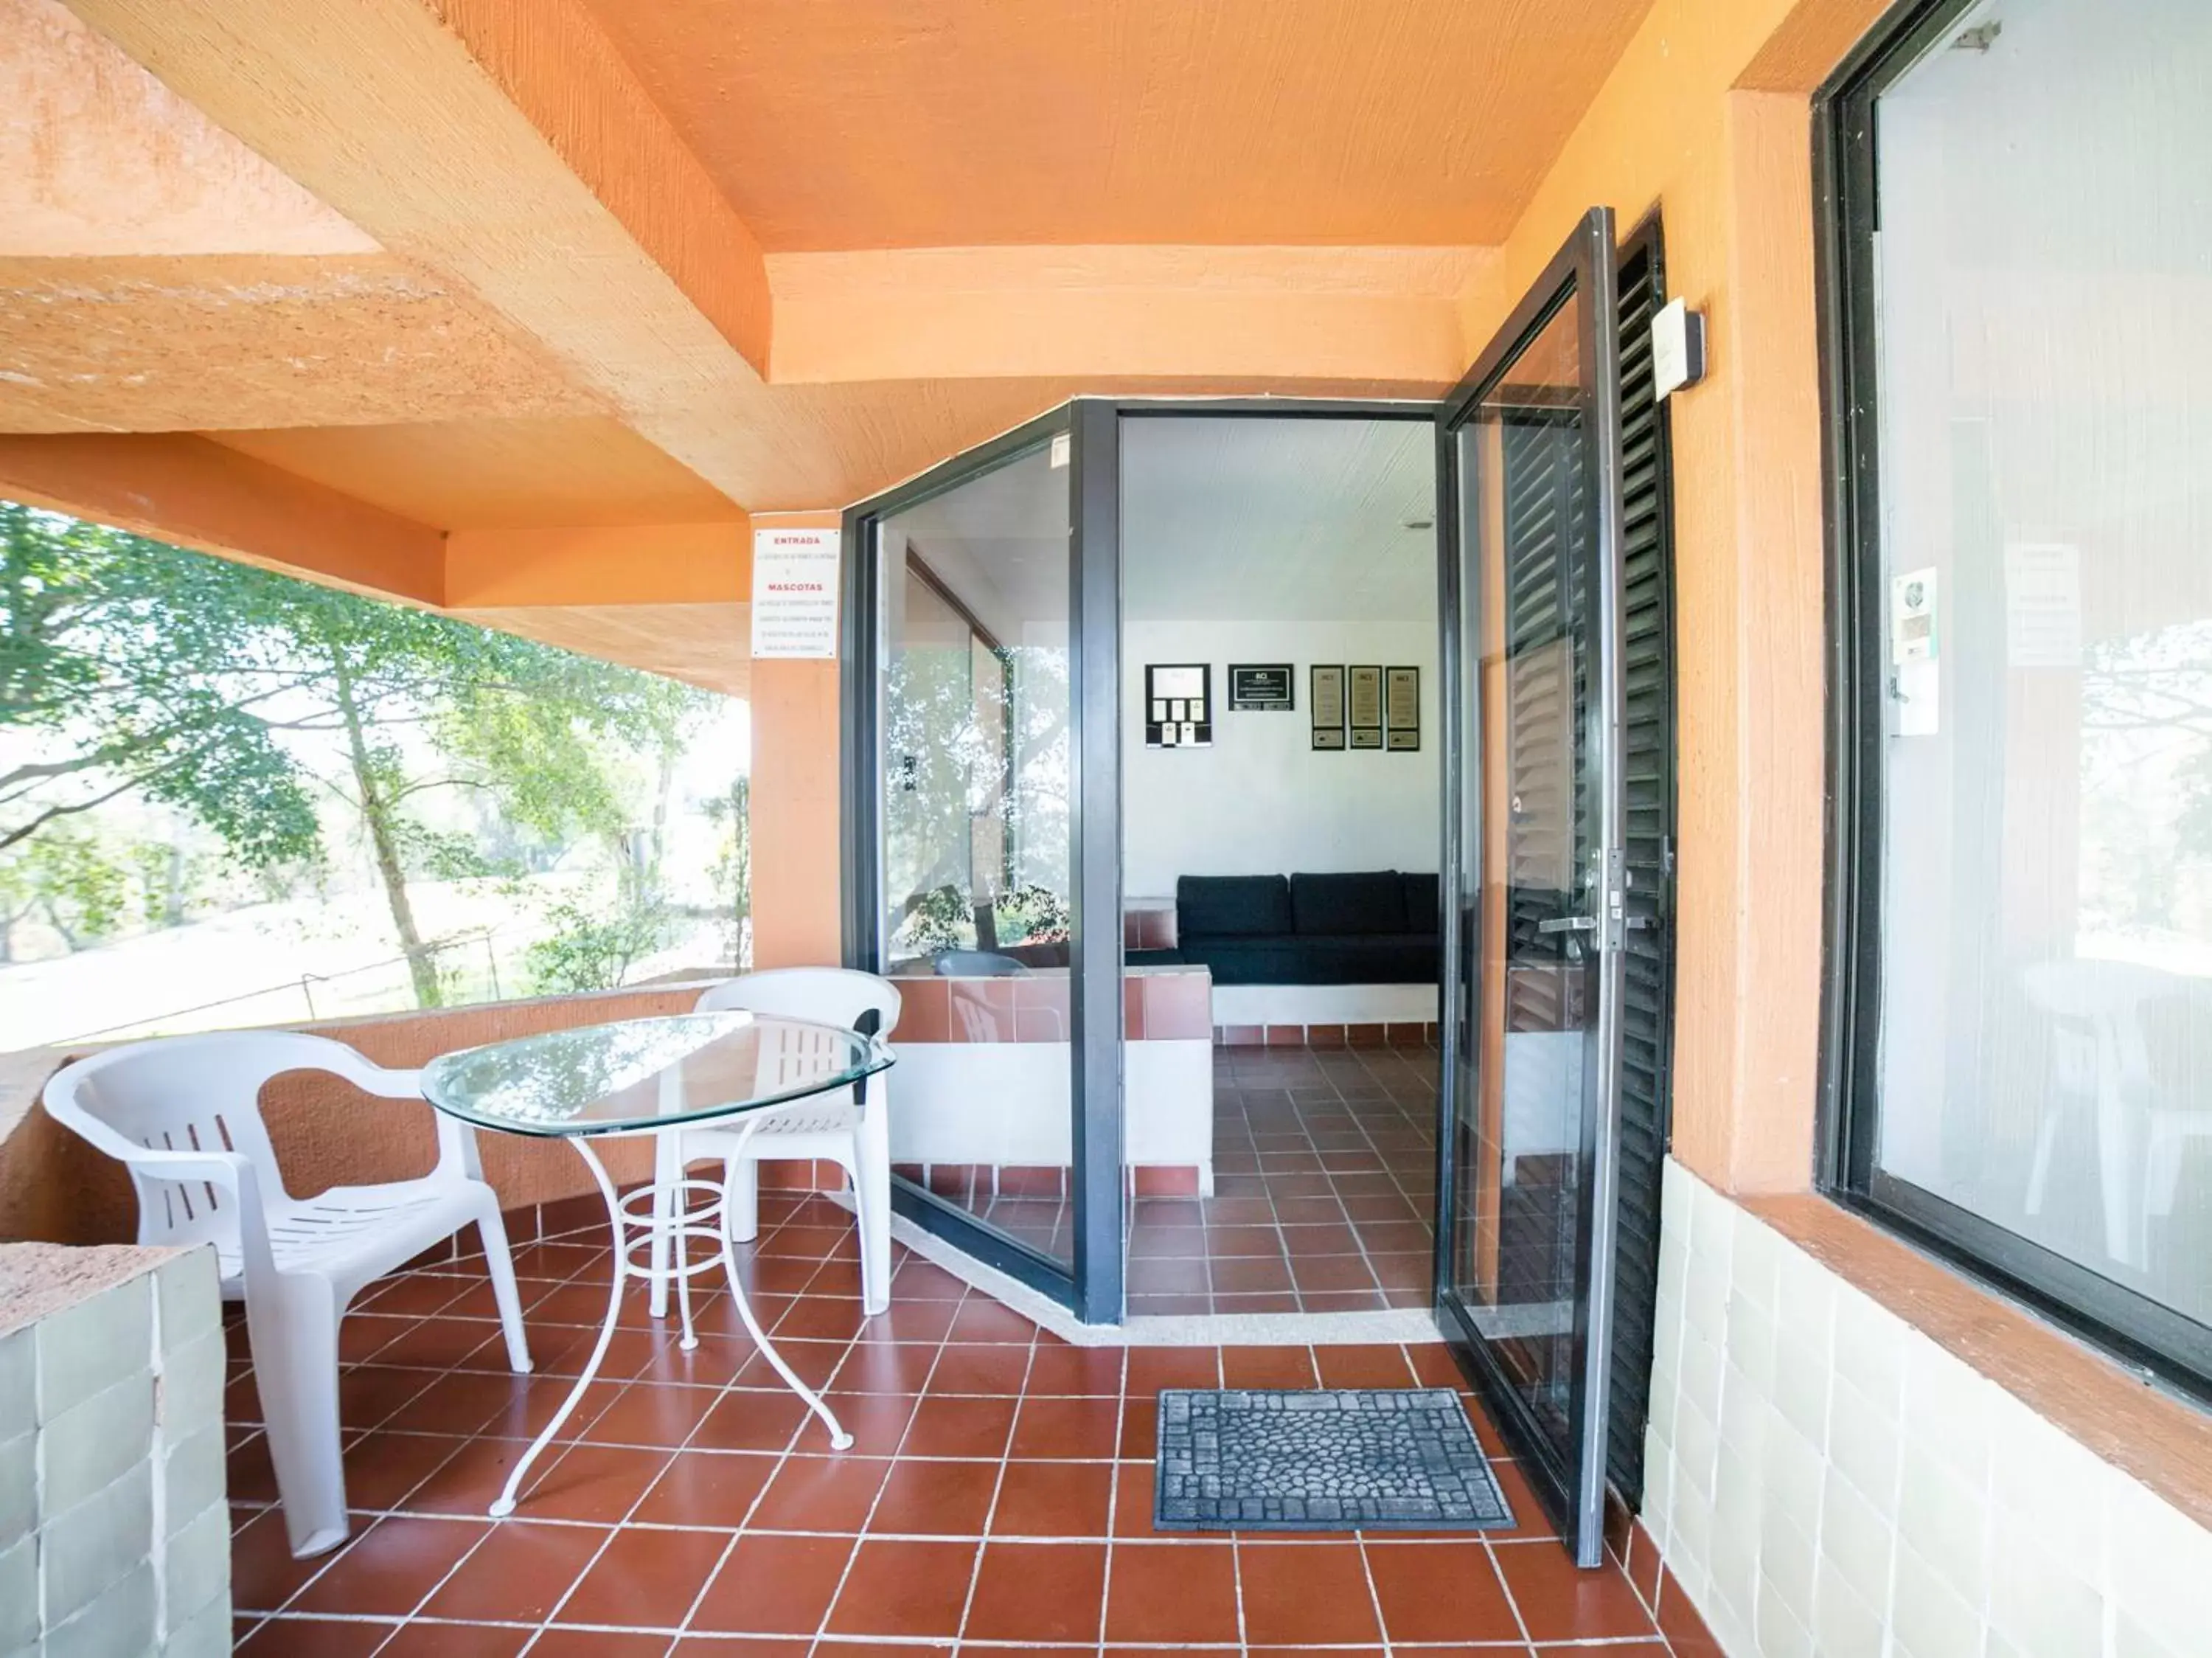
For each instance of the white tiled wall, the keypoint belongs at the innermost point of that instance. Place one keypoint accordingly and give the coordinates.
(114, 1532)
(1821, 1477)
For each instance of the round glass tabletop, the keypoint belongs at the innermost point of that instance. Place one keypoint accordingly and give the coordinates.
(642, 1074)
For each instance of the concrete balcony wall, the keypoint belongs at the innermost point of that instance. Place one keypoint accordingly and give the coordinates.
(56, 1188)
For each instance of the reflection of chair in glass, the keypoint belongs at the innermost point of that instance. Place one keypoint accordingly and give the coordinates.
(836, 1127)
(2113, 1007)
(183, 1113)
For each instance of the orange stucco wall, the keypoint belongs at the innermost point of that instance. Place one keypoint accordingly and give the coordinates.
(795, 813)
(1706, 117)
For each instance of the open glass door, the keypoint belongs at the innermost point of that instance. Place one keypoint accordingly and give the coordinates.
(980, 647)
(1531, 478)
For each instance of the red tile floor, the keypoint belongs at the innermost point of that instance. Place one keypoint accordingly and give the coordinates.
(1324, 1185)
(1000, 1494)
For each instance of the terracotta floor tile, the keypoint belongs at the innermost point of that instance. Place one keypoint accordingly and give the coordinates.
(960, 1428)
(1256, 1274)
(732, 1646)
(981, 1318)
(652, 1413)
(597, 1483)
(644, 1579)
(1175, 1594)
(1053, 1499)
(556, 1642)
(1067, 1427)
(899, 1587)
(703, 1488)
(1268, 1367)
(391, 1566)
(888, 1367)
(928, 1498)
(1038, 1592)
(1364, 1367)
(1132, 1499)
(876, 1421)
(1152, 1369)
(772, 1585)
(977, 1368)
(1298, 1593)
(1440, 1591)
(1614, 1649)
(264, 1575)
(1058, 1369)
(813, 1362)
(1140, 1428)
(518, 1574)
(466, 1482)
(831, 1493)
(1558, 1602)
(382, 1467)
(455, 1641)
(313, 1638)
(750, 1420)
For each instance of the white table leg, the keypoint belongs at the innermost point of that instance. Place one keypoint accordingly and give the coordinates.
(838, 1439)
(505, 1505)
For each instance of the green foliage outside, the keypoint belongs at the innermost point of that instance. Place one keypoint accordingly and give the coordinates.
(271, 713)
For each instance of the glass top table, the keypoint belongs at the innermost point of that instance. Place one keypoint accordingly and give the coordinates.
(642, 1076)
(658, 1077)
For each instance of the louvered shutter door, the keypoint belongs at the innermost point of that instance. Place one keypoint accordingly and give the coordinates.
(1648, 638)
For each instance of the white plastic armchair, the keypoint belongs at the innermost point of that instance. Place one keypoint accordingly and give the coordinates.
(836, 1127)
(184, 1115)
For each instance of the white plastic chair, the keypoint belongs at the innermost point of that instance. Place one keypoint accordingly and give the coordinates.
(834, 1127)
(184, 1114)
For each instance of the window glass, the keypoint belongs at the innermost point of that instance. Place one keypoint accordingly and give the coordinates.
(978, 764)
(229, 797)
(2042, 267)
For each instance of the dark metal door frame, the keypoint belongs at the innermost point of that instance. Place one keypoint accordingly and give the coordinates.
(1572, 1488)
(1092, 1284)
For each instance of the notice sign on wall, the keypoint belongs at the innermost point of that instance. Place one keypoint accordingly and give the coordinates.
(795, 592)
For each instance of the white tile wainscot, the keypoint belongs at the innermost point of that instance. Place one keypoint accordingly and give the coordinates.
(1822, 1478)
(114, 1532)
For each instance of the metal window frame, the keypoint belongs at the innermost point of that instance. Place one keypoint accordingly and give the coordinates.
(2162, 1346)
(1090, 1284)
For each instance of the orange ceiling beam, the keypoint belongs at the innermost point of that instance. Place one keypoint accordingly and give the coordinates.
(196, 493)
(1266, 315)
(505, 146)
(630, 564)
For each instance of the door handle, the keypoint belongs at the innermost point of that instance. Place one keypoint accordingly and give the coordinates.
(1568, 924)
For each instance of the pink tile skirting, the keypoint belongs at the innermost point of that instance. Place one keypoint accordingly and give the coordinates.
(1156, 1007)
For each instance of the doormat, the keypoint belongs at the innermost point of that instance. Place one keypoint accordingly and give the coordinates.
(1382, 1458)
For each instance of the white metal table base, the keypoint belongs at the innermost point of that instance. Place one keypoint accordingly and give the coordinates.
(668, 1218)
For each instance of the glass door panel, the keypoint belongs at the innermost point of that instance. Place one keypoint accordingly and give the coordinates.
(974, 700)
(1533, 447)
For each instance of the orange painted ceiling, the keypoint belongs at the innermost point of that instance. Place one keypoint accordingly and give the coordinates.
(862, 124)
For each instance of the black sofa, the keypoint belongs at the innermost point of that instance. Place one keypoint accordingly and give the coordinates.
(1376, 929)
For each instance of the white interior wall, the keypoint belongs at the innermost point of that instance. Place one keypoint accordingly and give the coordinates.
(1261, 799)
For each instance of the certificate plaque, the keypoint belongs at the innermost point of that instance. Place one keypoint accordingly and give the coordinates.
(1267, 687)
(1179, 706)
(1402, 709)
(1362, 701)
(1328, 704)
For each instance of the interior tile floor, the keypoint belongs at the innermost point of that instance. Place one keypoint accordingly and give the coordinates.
(998, 1497)
(1323, 1192)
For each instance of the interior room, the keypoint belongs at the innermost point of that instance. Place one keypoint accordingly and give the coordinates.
(1280, 830)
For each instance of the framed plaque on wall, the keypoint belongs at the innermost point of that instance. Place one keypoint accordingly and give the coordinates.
(1328, 704)
(1179, 706)
(1402, 709)
(1363, 702)
(1267, 687)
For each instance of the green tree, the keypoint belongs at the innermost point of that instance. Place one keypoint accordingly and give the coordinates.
(145, 667)
(67, 878)
(731, 872)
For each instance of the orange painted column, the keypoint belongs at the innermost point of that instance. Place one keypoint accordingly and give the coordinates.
(795, 817)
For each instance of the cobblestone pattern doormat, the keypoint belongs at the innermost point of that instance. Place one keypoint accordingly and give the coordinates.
(1370, 1459)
